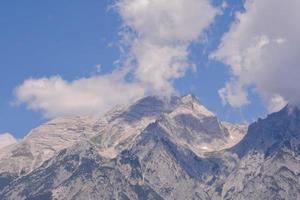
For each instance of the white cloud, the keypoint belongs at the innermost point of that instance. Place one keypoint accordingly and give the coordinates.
(165, 22)
(276, 103)
(86, 96)
(262, 49)
(6, 139)
(160, 32)
(233, 93)
(98, 68)
(159, 65)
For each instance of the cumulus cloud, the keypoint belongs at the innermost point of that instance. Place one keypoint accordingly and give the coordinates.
(6, 139)
(262, 49)
(157, 35)
(160, 34)
(55, 96)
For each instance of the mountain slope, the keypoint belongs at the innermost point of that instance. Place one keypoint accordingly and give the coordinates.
(43, 142)
(152, 149)
(270, 159)
(119, 127)
(153, 168)
(81, 162)
(122, 128)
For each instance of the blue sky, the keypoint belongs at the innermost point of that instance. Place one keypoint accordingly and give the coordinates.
(47, 38)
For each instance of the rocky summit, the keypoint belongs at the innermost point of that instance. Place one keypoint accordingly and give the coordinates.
(155, 148)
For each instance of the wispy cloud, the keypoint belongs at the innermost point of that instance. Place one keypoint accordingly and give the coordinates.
(6, 139)
(159, 33)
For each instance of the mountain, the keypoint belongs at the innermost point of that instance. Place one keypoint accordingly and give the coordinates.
(112, 133)
(126, 151)
(156, 149)
(186, 118)
(43, 142)
(269, 166)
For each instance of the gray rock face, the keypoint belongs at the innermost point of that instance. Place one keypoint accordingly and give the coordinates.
(269, 166)
(163, 149)
(44, 142)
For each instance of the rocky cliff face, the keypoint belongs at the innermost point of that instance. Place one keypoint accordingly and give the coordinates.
(157, 149)
(269, 166)
(43, 142)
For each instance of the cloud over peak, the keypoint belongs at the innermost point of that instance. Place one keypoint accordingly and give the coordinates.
(162, 32)
(262, 51)
(6, 139)
(55, 96)
(157, 34)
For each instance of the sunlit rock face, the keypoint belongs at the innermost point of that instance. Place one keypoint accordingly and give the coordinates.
(156, 149)
(44, 142)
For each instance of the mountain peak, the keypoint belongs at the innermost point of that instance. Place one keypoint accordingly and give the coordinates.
(151, 105)
(272, 133)
(166, 139)
(191, 103)
(189, 97)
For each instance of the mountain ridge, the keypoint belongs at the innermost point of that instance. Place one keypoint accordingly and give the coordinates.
(167, 149)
